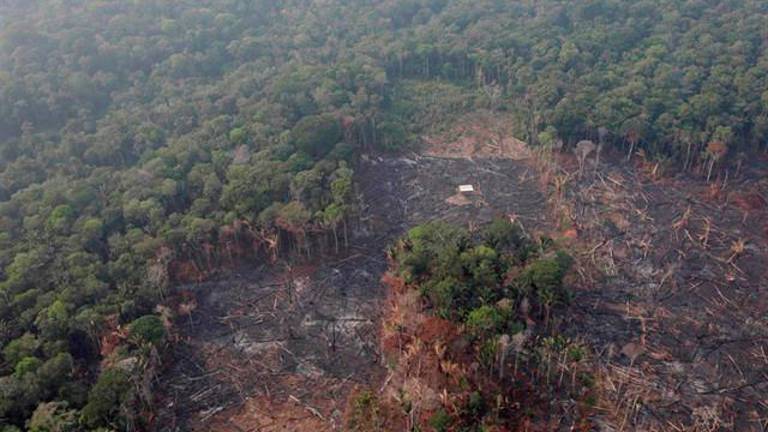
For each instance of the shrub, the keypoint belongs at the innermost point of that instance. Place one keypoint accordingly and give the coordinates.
(445, 295)
(148, 329)
(57, 370)
(26, 365)
(485, 321)
(53, 417)
(503, 235)
(432, 249)
(17, 349)
(476, 405)
(548, 274)
(545, 274)
(440, 421)
(483, 269)
(392, 135)
(487, 351)
(317, 135)
(564, 260)
(105, 400)
(238, 135)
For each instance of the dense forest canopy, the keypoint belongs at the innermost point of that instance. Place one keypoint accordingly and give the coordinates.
(141, 141)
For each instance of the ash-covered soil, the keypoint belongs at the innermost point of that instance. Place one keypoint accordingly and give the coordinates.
(671, 294)
(423, 188)
(263, 338)
(674, 298)
(280, 347)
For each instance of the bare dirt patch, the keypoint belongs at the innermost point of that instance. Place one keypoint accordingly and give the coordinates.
(478, 135)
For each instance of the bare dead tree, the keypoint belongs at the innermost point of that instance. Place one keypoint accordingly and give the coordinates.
(583, 149)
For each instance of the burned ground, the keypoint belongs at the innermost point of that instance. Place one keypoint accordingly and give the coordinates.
(669, 291)
(264, 344)
(281, 348)
(673, 297)
(426, 188)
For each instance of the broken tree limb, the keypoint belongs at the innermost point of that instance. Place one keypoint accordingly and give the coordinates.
(309, 408)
